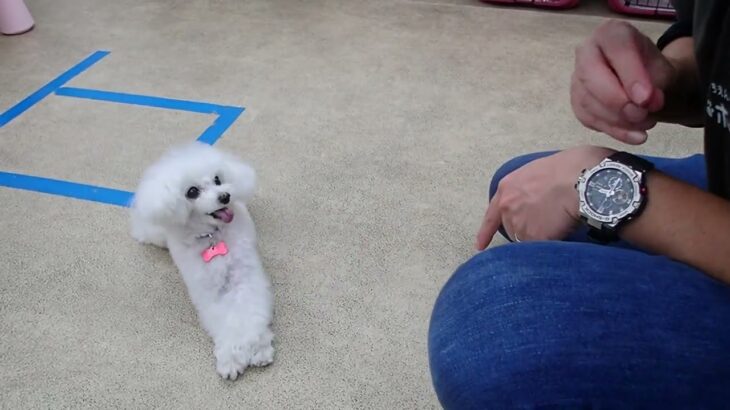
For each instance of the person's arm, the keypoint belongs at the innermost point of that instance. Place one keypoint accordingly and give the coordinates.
(684, 223)
(683, 97)
(539, 202)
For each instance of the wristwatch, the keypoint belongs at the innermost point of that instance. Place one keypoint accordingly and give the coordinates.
(612, 193)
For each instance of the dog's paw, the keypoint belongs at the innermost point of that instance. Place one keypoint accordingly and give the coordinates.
(148, 235)
(232, 360)
(229, 369)
(263, 355)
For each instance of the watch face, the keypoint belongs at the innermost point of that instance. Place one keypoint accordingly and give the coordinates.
(609, 192)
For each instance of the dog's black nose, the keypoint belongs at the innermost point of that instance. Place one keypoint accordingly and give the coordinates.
(224, 198)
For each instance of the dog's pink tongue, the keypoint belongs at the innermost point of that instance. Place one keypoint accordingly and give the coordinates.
(225, 215)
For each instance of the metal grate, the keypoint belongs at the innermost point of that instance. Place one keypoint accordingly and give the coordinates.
(564, 4)
(656, 5)
(646, 8)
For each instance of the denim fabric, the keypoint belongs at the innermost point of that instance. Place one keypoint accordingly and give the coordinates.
(570, 324)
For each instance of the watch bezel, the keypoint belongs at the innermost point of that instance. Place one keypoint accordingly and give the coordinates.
(612, 220)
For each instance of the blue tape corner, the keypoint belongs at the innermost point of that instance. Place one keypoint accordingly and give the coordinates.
(227, 115)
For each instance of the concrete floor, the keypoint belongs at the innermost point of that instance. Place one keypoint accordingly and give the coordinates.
(374, 126)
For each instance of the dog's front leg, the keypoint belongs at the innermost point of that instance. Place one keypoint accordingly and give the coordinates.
(242, 336)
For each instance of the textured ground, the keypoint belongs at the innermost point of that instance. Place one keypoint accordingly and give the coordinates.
(374, 126)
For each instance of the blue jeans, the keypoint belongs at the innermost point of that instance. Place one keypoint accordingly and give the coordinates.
(573, 324)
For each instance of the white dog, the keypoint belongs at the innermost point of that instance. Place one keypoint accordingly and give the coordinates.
(193, 202)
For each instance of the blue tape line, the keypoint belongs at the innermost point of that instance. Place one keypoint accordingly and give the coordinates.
(64, 188)
(145, 100)
(227, 117)
(227, 114)
(59, 81)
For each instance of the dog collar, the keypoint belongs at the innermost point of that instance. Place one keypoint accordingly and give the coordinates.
(208, 235)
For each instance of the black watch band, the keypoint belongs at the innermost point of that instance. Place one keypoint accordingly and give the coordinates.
(602, 235)
(635, 162)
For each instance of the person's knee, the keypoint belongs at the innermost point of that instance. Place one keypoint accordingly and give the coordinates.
(489, 338)
(470, 342)
(448, 352)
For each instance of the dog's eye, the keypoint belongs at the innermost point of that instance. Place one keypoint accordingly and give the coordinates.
(192, 193)
(217, 180)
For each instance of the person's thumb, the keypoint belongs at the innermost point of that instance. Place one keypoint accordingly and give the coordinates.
(661, 73)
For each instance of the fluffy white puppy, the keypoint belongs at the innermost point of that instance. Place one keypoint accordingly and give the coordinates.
(192, 201)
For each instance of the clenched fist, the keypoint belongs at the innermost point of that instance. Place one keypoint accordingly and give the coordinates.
(619, 80)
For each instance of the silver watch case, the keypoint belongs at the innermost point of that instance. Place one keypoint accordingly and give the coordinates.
(604, 221)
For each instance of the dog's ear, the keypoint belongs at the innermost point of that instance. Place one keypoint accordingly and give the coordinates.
(242, 176)
(159, 203)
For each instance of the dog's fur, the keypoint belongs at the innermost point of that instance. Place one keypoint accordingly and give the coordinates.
(231, 293)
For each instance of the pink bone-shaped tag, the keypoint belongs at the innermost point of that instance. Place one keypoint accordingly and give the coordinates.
(218, 249)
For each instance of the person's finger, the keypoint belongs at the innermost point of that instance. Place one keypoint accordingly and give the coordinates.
(637, 118)
(620, 45)
(657, 101)
(630, 117)
(628, 136)
(595, 116)
(594, 74)
(594, 123)
(490, 224)
(515, 231)
(510, 230)
(660, 69)
(632, 113)
(579, 104)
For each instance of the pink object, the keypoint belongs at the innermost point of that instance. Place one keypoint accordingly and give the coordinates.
(218, 249)
(554, 4)
(15, 17)
(645, 8)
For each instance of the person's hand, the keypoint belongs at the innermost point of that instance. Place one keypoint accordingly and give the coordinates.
(619, 80)
(539, 201)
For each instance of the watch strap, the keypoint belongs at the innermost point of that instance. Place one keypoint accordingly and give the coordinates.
(634, 161)
(602, 235)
